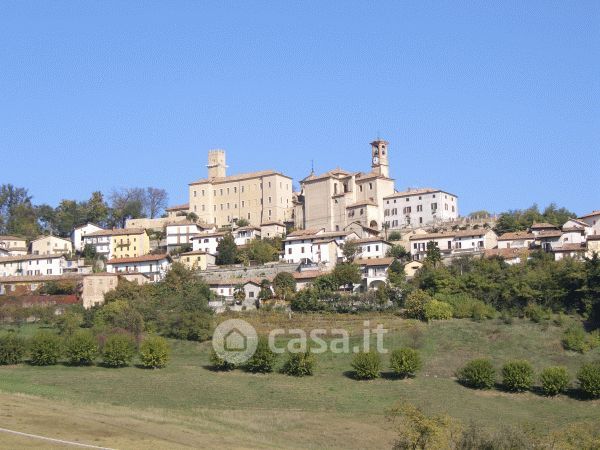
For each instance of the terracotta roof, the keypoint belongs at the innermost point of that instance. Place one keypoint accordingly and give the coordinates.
(178, 207)
(181, 223)
(569, 248)
(266, 224)
(370, 239)
(195, 252)
(247, 228)
(51, 236)
(142, 258)
(374, 261)
(420, 237)
(326, 235)
(11, 238)
(235, 281)
(308, 274)
(362, 177)
(117, 232)
(335, 173)
(472, 232)
(307, 232)
(593, 237)
(573, 230)
(239, 177)
(515, 236)
(542, 225)
(417, 191)
(549, 234)
(592, 214)
(506, 253)
(40, 278)
(5, 259)
(86, 224)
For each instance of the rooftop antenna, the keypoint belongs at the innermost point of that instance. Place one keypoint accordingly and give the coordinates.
(312, 166)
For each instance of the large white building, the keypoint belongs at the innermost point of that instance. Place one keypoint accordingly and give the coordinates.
(419, 208)
(316, 246)
(153, 266)
(32, 265)
(80, 232)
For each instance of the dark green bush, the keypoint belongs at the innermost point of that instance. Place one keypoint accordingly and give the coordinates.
(366, 365)
(45, 348)
(118, 350)
(589, 379)
(405, 362)
(478, 374)
(12, 349)
(555, 380)
(219, 363)
(299, 364)
(263, 359)
(154, 352)
(517, 375)
(536, 313)
(81, 348)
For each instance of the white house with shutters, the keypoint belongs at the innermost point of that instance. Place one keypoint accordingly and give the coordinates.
(78, 234)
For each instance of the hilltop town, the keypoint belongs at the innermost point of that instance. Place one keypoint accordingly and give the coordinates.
(239, 231)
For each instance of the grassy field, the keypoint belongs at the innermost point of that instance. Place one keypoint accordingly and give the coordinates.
(188, 405)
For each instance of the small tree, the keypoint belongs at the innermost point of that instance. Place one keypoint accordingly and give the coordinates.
(555, 380)
(299, 364)
(394, 236)
(263, 359)
(398, 252)
(346, 274)
(284, 285)
(366, 365)
(12, 349)
(154, 352)
(415, 304)
(219, 363)
(350, 250)
(478, 374)
(239, 293)
(436, 310)
(118, 350)
(589, 379)
(226, 250)
(45, 348)
(241, 222)
(517, 375)
(81, 348)
(434, 255)
(405, 362)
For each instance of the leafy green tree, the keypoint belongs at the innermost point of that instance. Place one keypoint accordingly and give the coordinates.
(118, 351)
(284, 285)
(265, 292)
(434, 255)
(81, 349)
(241, 222)
(96, 209)
(394, 236)
(226, 250)
(347, 275)
(12, 349)
(350, 250)
(239, 293)
(398, 252)
(261, 251)
(45, 348)
(415, 303)
(263, 359)
(154, 352)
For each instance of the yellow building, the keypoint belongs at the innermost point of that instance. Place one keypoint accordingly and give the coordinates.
(257, 197)
(129, 243)
(593, 245)
(196, 260)
(51, 245)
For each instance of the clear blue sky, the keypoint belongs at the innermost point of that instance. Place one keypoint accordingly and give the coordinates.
(498, 103)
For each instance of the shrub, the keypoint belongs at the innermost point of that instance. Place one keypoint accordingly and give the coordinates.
(589, 379)
(12, 349)
(118, 350)
(405, 362)
(219, 363)
(436, 310)
(263, 359)
(554, 380)
(44, 349)
(154, 352)
(536, 313)
(574, 338)
(415, 304)
(366, 365)
(81, 348)
(478, 374)
(517, 375)
(299, 364)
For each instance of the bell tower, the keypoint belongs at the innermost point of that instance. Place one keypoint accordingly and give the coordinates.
(379, 158)
(216, 164)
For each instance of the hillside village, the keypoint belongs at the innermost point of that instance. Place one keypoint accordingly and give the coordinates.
(338, 216)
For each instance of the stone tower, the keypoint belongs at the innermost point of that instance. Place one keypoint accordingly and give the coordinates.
(216, 164)
(379, 158)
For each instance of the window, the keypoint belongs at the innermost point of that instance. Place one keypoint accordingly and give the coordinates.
(251, 293)
(220, 191)
(269, 199)
(370, 186)
(243, 203)
(203, 192)
(301, 249)
(289, 251)
(194, 193)
(434, 206)
(419, 208)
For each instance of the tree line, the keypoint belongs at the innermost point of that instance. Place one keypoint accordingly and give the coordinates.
(20, 216)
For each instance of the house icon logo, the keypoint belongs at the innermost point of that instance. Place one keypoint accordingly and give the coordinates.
(235, 341)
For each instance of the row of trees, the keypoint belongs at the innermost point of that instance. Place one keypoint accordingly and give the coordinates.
(19, 216)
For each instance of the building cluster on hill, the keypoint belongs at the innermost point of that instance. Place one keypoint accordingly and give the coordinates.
(312, 227)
